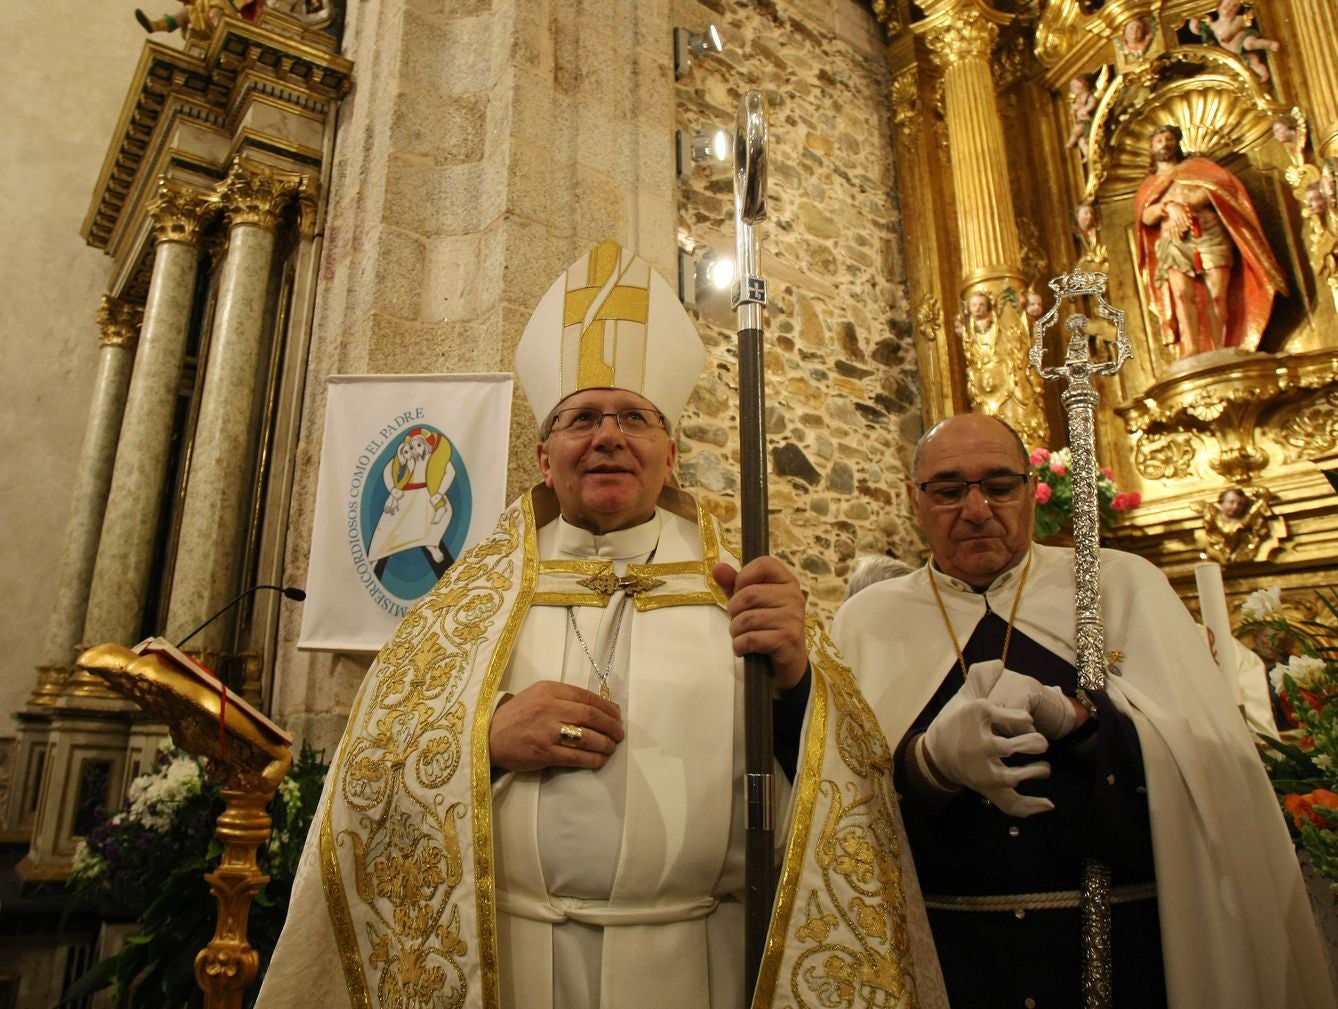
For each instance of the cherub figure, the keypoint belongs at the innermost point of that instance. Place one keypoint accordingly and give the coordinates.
(1322, 237)
(1136, 37)
(1087, 230)
(975, 326)
(1082, 103)
(1236, 524)
(979, 316)
(204, 15)
(1034, 307)
(1234, 31)
(199, 15)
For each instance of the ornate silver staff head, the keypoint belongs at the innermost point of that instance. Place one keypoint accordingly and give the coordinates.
(1076, 284)
(750, 206)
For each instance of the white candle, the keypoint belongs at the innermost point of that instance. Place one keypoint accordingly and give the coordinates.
(1213, 606)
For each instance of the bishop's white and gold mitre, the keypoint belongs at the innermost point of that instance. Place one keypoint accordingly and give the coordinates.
(610, 322)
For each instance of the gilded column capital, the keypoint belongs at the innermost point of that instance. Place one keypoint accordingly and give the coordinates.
(256, 194)
(308, 206)
(967, 36)
(119, 322)
(179, 213)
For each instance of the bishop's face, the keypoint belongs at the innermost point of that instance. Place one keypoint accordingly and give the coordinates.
(607, 480)
(976, 539)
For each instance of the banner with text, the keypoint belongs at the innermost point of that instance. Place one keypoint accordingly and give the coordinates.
(413, 473)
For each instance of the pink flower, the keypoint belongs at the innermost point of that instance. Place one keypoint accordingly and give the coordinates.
(1121, 502)
(1039, 455)
(1135, 499)
(1058, 469)
(1105, 472)
(1043, 492)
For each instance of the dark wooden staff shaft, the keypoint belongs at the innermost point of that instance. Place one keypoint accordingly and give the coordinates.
(758, 744)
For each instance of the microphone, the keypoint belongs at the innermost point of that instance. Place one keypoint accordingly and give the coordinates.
(295, 594)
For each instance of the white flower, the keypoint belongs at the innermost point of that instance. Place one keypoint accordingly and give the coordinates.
(1062, 456)
(86, 863)
(291, 792)
(1323, 761)
(1263, 603)
(154, 798)
(1308, 672)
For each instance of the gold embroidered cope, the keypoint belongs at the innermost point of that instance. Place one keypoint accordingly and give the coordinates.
(405, 835)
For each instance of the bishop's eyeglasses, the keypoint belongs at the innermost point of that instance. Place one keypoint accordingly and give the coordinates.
(997, 488)
(580, 421)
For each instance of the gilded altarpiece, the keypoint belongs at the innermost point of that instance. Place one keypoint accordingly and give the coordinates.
(1227, 416)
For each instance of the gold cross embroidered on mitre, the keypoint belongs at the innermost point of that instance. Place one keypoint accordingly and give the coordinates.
(622, 303)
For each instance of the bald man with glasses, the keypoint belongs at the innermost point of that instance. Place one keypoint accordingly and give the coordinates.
(1011, 777)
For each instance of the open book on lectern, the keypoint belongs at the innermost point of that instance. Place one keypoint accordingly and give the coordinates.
(206, 678)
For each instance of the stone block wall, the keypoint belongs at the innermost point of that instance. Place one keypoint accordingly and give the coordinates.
(843, 406)
(488, 144)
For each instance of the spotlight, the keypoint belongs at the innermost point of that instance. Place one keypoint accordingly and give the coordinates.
(703, 279)
(690, 44)
(718, 270)
(713, 145)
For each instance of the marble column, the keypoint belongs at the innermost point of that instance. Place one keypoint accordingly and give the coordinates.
(217, 502)
(282, 466)
(960, 35)
(125, 549)
(119, 322)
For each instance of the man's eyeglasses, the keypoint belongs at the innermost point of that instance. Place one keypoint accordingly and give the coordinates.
(579, 421)
(1000, 488)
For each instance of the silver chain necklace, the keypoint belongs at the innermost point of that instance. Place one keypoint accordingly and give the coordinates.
(604, 673)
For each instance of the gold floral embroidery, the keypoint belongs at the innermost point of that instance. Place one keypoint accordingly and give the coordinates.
(404, 745)
(853, 948)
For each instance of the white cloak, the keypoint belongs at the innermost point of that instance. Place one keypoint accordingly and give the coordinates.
(406, 896)
(1237, 929)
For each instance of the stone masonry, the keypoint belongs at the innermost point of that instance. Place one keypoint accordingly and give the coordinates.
(842, 392)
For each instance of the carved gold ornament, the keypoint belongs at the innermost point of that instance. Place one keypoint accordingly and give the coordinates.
(606, 583)
(119, 322)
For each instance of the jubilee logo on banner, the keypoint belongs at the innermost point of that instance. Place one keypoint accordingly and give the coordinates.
(413, 473)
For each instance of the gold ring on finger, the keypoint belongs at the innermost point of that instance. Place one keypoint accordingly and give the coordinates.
(570, 735)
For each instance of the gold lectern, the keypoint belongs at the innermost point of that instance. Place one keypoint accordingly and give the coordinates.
(247, 754)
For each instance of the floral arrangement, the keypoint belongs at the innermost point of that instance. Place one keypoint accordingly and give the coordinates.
(1303, 764)
(146, 864)
(1054, 493)
(167, 819)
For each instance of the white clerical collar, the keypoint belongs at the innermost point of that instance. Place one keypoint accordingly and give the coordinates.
(1004, 580)
(621, 544)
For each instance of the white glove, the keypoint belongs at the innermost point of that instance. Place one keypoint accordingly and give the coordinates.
(1050, 710)
(968, 739)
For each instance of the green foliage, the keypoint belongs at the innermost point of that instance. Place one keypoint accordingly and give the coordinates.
(1054, 493)
(1304, 766)
(147, 864)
